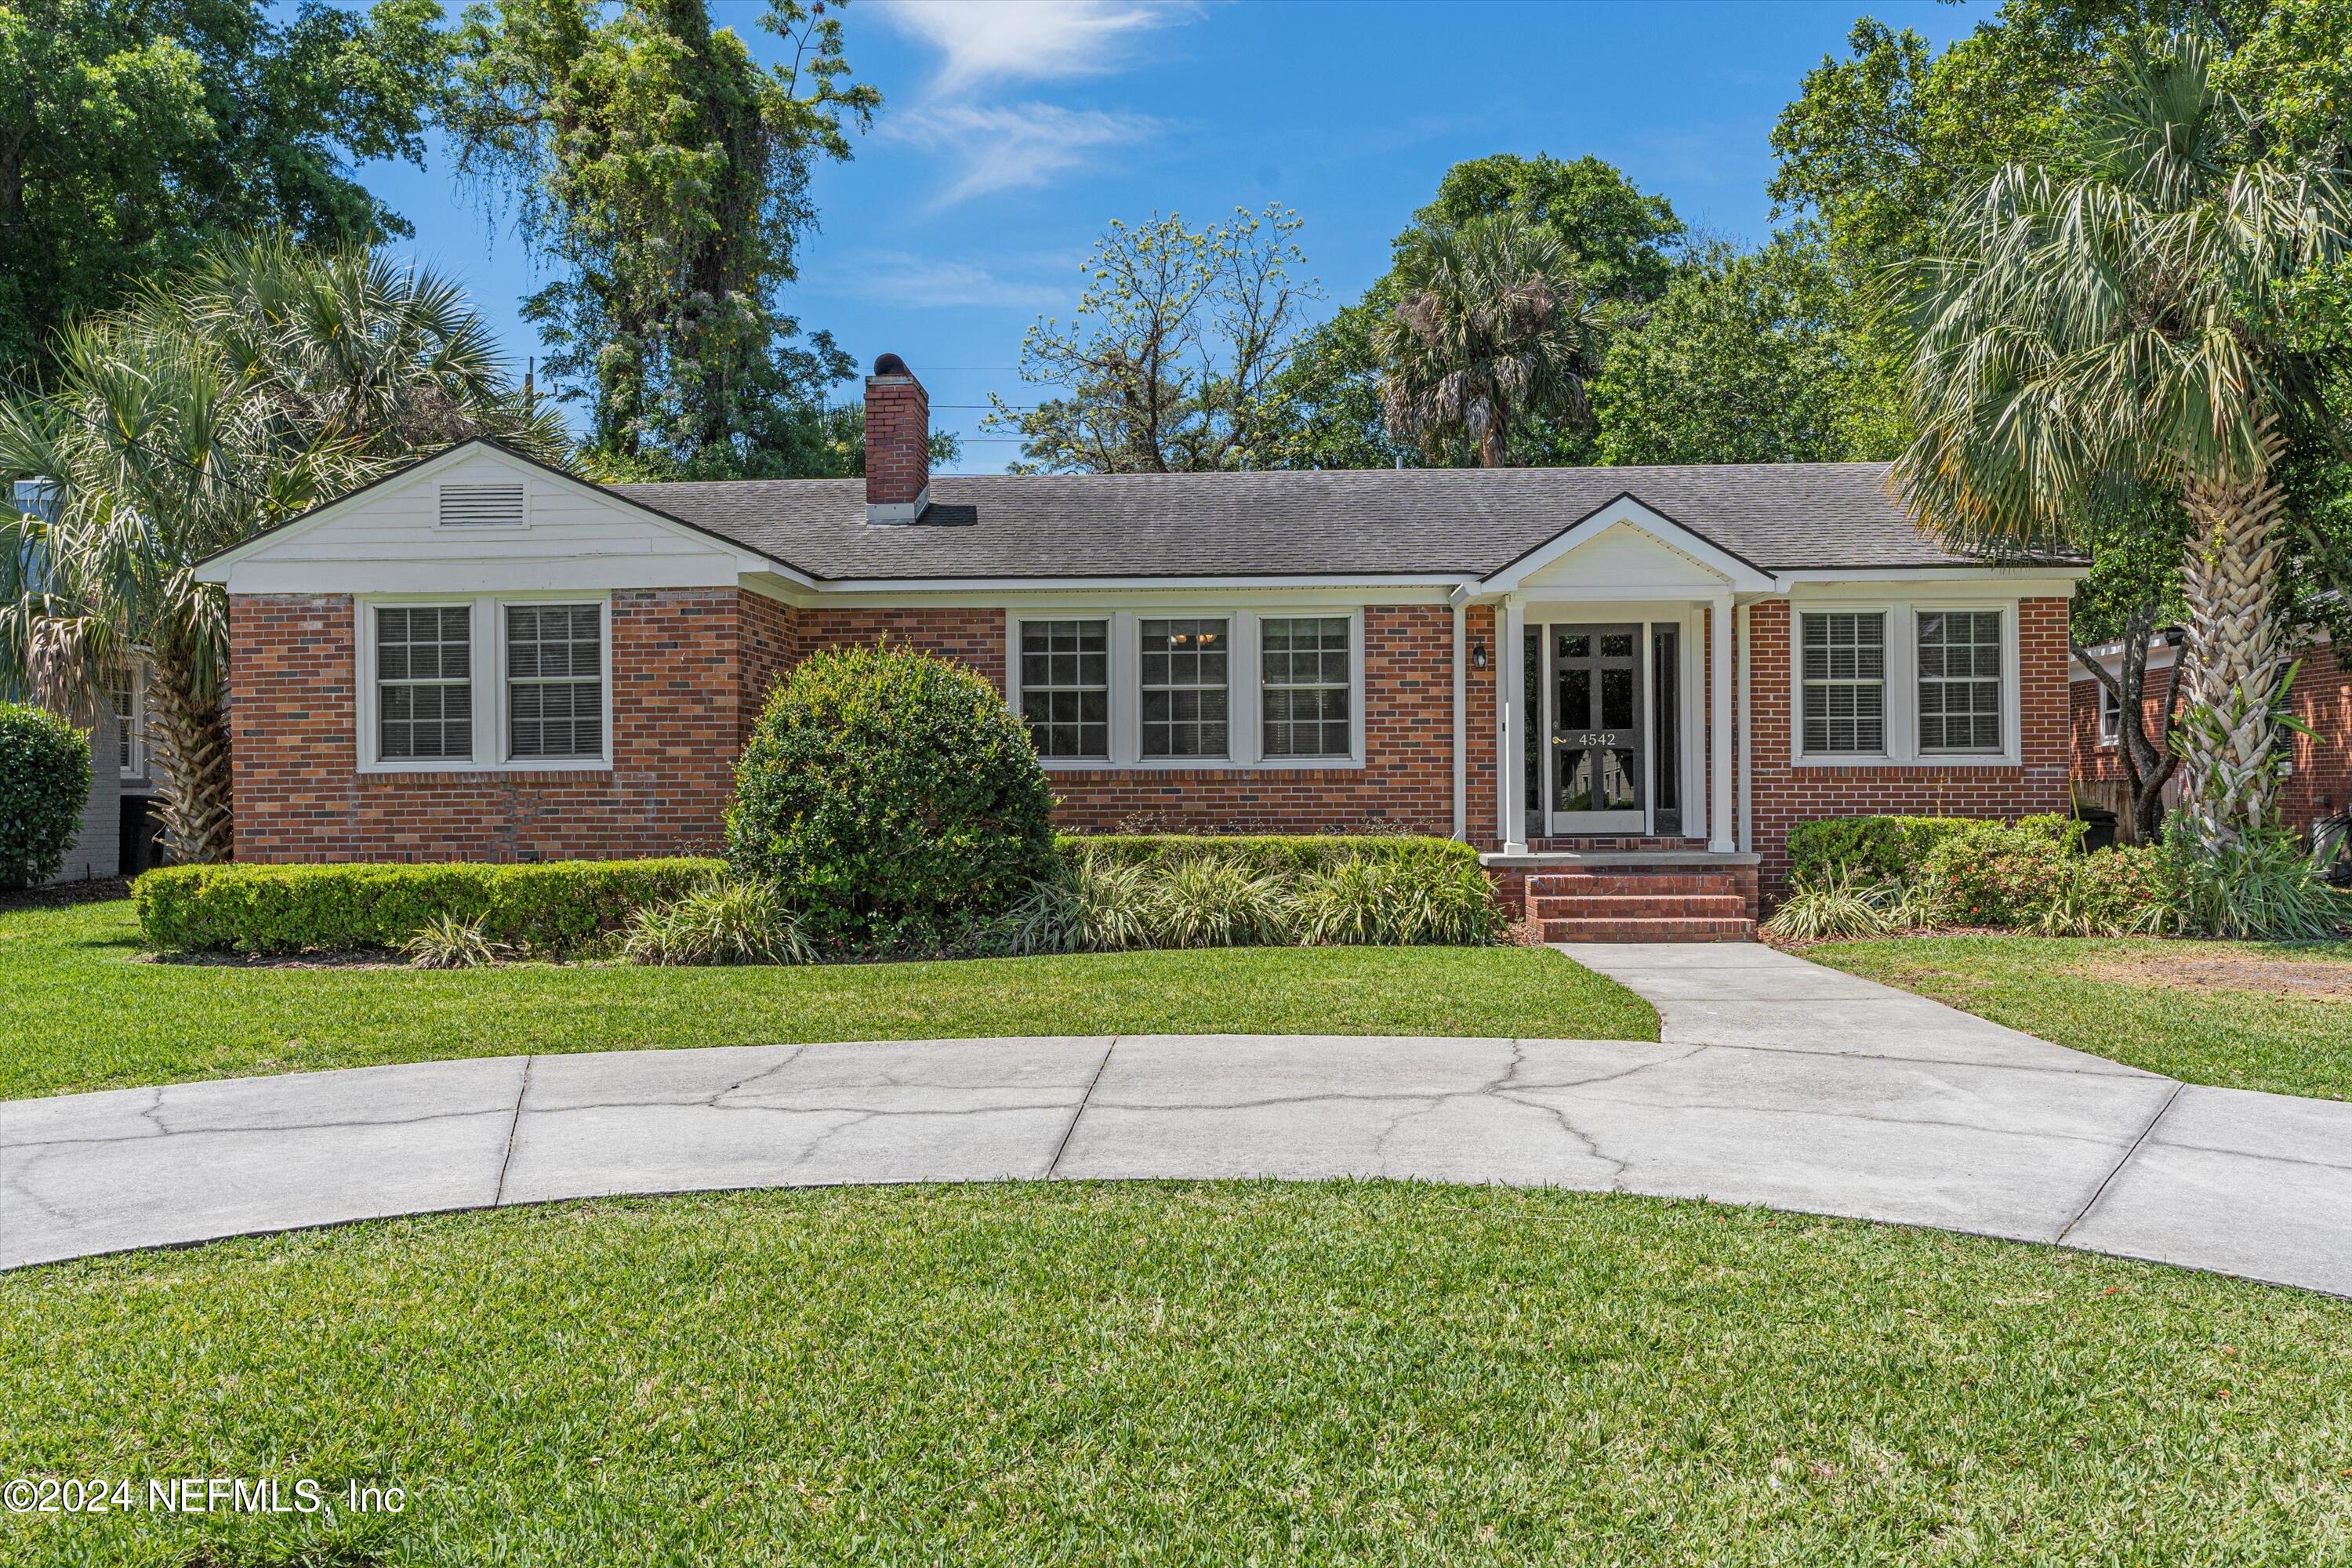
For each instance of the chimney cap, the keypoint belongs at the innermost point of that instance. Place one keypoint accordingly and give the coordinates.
(891, 365)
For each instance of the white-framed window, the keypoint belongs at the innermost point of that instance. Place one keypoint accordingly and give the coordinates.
(555, 681)
(425, 682)
(1193, 687)
(2111, 715)
(1959, 680)
(1066, 687)
(493, 682)
(1306, 678)
(1186, 686)
(1842, 657)
(127, 695)
(1922, 683)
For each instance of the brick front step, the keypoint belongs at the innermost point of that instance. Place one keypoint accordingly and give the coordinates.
(1640, 906)
(1604, 884)
(1658, 929)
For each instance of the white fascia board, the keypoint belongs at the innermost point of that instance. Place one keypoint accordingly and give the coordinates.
(1431, 587)
(2065, 576)
(1738, 575)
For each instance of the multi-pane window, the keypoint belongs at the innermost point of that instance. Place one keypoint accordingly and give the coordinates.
(1844, 673)
(1185, 696)
(425, 681)
(1066, 687)
(129, 726)
(555, 681)
(2111, 715)
(1302, 670)
(1959, 680)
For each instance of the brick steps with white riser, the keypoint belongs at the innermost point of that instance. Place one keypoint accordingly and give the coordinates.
(1639, 903)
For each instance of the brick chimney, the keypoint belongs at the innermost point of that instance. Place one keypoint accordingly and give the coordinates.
(898, 443)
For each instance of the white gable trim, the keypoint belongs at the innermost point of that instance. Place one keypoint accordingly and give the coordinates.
(1738, 576)
(254, 551)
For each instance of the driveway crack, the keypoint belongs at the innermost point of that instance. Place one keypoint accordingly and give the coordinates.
(1062, 1148)
(514, 1124)
(2108, 1180)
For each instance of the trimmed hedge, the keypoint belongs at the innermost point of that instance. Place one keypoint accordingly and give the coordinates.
(1868, 848)
(44, 784)
(1266, 854)
(560, 908)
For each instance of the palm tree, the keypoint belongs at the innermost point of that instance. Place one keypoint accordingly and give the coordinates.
(267, 380)
(2093, 333)
(1493, 326)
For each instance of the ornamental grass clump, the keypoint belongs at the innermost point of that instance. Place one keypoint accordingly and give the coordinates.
(1843, 908)
(1101, 905)
(2264, 887)
(725, 919)
(1363, 903)
(1216, 902)
(893, 799)
(446, 941)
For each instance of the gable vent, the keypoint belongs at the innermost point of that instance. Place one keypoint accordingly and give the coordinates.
(481, 506)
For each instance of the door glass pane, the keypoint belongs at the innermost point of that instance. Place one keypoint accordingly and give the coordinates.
(1575, 645)
(1575, 792)
(1575, 698)
(1617, 778)
(1616, 699)
(1617, 645)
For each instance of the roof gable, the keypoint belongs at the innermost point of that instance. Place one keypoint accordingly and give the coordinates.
(1631, 546)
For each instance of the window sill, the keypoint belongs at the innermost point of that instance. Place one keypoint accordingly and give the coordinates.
(1955, 760)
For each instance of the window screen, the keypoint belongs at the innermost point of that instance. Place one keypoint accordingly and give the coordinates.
(1066, 687)
(1303, 670)
(1184, 691)
(555, 680)
(1844, 669)
(425, 681)
(1959, 680)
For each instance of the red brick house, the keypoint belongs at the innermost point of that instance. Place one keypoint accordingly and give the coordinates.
(2319, 777)
(1584, 671)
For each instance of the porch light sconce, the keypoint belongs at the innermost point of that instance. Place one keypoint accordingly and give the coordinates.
(1479, 654)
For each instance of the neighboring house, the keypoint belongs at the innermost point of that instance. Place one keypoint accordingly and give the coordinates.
(2319, 780)
(478, 658)
(116, 838)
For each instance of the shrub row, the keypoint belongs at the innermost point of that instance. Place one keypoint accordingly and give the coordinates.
(1866, 848)
(564, 907)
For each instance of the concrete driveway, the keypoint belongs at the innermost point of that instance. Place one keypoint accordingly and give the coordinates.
(1777, 1082)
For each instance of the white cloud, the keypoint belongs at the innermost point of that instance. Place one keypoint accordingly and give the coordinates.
(927, 281)
(1013, 146)
(985, 41)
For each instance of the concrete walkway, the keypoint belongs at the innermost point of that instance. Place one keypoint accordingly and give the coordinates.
(1778, 1082)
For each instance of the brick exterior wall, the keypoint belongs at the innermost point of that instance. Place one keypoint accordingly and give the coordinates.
(2321, 784)
(677, 704)
(1786, 795)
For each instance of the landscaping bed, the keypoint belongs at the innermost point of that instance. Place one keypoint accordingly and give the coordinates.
(1379, 1374)
(2272, 1016)
(85, 1009)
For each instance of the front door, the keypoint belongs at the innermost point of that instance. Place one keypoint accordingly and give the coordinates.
(1597, 750)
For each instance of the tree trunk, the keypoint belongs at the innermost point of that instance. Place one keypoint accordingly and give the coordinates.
(191, 780)
(2231, 759)
(2149, 760)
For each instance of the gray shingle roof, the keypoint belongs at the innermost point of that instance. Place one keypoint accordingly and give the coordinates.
(1776, 516)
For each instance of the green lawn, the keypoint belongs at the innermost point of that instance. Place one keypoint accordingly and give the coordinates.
(1373, 1374)
(2233, 1028)
(82, 1009)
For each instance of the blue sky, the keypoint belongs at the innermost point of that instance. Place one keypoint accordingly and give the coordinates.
(1012, 131)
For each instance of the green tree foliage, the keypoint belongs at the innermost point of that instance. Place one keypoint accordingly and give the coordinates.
(131, 133)
(1745, 360)
(667, 175)
(266, 380)
(1618, 245)
(1491, 331)
(1171, 359)
(2122, 330)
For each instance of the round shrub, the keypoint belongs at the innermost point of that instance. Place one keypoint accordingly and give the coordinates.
(892, 797)
(44, 784)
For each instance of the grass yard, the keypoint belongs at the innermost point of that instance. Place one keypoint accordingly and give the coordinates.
(82, 1009)
(1377, 1373)
(2240, 1014)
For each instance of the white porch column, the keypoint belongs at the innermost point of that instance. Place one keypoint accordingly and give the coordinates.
(1511, 769)
(1719, 730)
